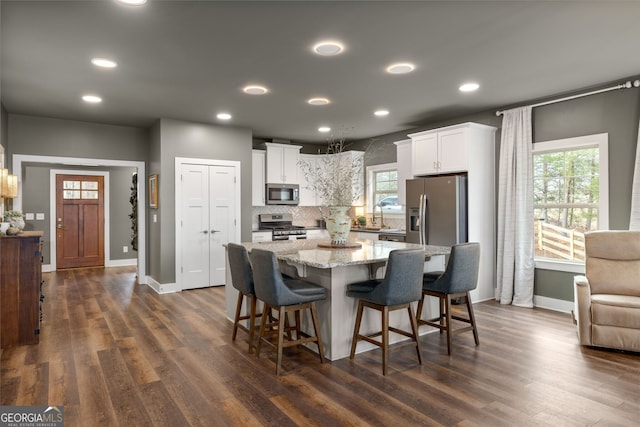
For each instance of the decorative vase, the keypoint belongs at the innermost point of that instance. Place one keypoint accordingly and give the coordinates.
(16, 222)
(338, 224)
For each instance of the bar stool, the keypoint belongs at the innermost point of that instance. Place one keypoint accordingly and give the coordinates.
(460, 277)
(284, 295)
(400, 287)
(242, 278)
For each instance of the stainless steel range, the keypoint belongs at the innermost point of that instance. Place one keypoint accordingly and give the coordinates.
(281, 226)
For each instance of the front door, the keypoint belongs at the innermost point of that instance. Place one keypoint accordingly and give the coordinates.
(79, 221)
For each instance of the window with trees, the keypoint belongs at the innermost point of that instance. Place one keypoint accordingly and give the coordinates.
(570, 187)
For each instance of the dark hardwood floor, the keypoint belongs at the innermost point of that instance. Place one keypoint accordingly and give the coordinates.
(115, 353)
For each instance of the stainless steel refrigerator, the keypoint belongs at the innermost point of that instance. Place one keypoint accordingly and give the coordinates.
(437, 210)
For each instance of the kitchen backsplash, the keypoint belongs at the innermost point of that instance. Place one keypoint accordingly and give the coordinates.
(307, 216)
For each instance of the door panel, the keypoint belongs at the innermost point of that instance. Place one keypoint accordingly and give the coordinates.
(195, 221)
(222, 218)
(79, 221)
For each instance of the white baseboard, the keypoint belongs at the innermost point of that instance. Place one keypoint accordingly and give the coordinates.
(48, 268)
(553, 304)
(162, 288)
(121, 262)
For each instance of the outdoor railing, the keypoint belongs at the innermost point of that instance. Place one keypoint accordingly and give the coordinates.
(557, 242)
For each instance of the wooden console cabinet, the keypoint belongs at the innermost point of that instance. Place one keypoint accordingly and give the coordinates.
(20, 280)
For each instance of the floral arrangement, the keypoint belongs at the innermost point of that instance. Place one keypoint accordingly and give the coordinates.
(337, 176)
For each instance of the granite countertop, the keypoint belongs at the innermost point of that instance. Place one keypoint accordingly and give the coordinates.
(307, 252)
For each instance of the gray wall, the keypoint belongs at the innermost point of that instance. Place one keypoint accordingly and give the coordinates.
(196, 140)
(67, 138)
(616, 113)
(4, 134)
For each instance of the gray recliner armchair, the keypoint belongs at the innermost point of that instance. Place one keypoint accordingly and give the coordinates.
(607, 299)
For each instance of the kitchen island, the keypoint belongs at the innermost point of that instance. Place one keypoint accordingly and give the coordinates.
(334, 269)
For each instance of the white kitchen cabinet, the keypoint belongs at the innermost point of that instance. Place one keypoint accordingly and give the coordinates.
(258, 191)
(282, 163)
(403, 161)
(439, 151)
(261, 236)
(308, 196)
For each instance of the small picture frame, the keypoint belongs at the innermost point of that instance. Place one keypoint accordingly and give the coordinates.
(153, 191)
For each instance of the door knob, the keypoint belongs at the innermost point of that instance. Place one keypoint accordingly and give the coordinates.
(215, 231)
(205, 231)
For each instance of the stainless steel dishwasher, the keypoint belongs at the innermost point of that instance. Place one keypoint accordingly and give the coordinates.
(392, 237)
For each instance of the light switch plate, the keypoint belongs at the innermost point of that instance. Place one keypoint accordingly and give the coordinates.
(28, 216)
(40, 216)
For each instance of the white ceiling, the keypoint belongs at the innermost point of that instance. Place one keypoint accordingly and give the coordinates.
(189, 60)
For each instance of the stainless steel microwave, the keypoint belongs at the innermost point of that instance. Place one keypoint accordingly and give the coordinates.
(283, 194)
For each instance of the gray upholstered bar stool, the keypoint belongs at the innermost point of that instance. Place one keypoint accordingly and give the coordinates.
(284, 295)
(460, 277)
(402, 285)
(242, 278)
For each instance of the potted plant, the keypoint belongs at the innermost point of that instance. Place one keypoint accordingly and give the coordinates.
(15, 219)
(336, 178)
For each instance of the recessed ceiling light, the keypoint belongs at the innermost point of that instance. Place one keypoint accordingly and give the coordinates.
(328, 48)
(93, 99)
(224, 116)
(318, 101)
(133, 2)
(104, 63)
(400, 68)
(469, 87)
(324, 129)
(381, 113)
(255, 90)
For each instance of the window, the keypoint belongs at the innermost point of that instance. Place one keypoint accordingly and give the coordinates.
(382, 188)
(570, 197)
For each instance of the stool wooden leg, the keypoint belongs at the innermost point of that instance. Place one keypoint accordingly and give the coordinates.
(441, 301)
(263, 324)
(472, 319)
(419, 309)
(316, 329)
(236, 319)
(448, 321)
(281, 325)
(385, 339)
(414, 328)
(356, 330)
(252, 322)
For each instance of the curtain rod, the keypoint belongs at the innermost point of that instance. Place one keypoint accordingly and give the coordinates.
(626, 85)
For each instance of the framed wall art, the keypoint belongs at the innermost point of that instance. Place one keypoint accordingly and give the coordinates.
(153, 191)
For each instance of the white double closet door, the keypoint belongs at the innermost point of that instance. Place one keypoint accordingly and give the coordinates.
(208, 220)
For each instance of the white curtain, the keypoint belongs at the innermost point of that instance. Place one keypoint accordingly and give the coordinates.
(515, 265)
(634, 223)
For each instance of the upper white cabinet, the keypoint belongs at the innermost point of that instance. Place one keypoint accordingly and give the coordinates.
(308, 196)
(403, 159)
(440, 151)
(282, 163)
(258, 190)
